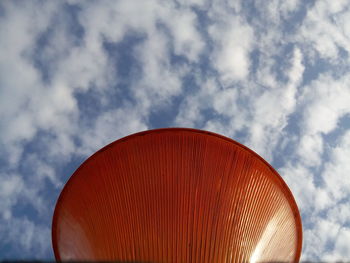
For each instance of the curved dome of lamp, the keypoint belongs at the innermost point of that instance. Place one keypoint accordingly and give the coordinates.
(176, 195)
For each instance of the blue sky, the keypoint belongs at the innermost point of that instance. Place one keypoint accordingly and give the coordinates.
(77, 75)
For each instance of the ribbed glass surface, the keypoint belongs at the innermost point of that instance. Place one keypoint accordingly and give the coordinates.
(176, 195)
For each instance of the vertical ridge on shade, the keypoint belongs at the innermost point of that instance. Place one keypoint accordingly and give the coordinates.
(176, 195)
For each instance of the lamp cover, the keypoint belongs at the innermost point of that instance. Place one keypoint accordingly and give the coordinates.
(176, 195)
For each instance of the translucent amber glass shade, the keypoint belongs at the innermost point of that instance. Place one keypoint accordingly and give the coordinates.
(176, 195)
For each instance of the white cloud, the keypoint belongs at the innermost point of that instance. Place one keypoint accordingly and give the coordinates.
(26, 104)
(325, 102)
(196, 3)
(187, 39)
(324, 27)
(233, 42)
(110, 126)
(159, 81)
(325, 203)
(337, 170)
(328, 241)
(225, 101)
(273, 105)
(340, 213)
(310, 149)
(315, 240)
(27, 237)
(190, 111)
(302, 183)
(11, 186)
(342, 248)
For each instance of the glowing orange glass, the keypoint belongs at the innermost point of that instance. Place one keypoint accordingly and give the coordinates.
(176, 195)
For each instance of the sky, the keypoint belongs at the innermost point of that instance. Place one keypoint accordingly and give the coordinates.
(77, 75)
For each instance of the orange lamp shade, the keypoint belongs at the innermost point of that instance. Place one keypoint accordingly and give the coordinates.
(176, 195)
